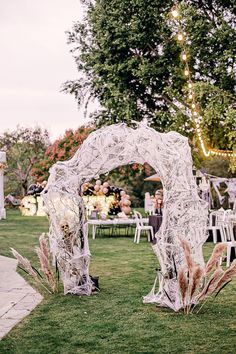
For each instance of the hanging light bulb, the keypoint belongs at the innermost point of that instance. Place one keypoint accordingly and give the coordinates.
(190, 96)
(180, 37)
(184, 56)
(186, 72)
(190, 85)
(175, 12)
(193, 105)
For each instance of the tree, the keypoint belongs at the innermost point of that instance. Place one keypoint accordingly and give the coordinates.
(23, 146)
(62, 149)
(128, 57)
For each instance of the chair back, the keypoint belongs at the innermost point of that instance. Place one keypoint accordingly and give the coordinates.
(224, 232)
(220, 216)
(138, 218)
(227, 232)
(212, 219)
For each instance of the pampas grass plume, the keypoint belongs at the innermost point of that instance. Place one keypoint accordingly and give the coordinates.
(24, 262)
(187, 254)
(46, 269)
(228, 274)
(44, 245)
(215, 257)
(211, 284)
(183, 283)
(198, 273)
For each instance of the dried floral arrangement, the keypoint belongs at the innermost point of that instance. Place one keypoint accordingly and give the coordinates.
(196, 283)
(46, 276)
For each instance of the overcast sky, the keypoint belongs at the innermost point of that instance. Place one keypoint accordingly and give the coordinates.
(34, 62)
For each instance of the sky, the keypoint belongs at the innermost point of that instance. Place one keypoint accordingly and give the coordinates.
(34, 62)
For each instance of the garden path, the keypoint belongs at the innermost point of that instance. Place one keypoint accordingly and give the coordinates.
(17, 297)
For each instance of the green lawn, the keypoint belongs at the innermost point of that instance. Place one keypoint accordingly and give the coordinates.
(114, 321)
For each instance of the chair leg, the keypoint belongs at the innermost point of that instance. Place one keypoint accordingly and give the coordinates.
(228, 256)
(94, 231)
(152, 235)
(222, 237)
(138, 235)
(223, 234)
(111, 231)
(135, 235)
(214, 233)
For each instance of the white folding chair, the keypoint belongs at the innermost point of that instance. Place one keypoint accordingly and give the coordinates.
(230, 240)
(217, 225)
(141, 227)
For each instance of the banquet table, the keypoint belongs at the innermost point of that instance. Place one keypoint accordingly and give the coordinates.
(95, 223)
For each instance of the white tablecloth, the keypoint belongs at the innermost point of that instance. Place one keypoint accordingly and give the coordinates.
(112, 222)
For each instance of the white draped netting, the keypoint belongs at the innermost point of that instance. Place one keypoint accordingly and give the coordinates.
(184, 214)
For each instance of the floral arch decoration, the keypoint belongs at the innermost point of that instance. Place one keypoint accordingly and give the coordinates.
(184, 214)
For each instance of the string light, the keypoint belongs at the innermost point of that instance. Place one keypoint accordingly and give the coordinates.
(196, 117)
(175, 13)
(180, 37)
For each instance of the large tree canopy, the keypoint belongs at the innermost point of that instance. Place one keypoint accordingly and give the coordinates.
(24, 147)
(62, 149)
(128, 57)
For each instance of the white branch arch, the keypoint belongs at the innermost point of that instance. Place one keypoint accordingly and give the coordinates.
(184, 214)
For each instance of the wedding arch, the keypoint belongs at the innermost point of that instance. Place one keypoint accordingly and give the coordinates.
(184, 214)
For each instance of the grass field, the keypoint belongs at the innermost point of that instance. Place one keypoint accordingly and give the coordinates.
(114, 321)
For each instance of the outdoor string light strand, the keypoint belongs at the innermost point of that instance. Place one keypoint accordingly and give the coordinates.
(197, 119)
